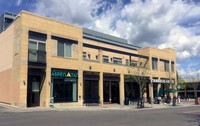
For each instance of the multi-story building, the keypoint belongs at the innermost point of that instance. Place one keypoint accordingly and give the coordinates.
(45, 62)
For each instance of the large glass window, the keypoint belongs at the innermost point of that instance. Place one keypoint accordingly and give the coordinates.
(117, 60)
(37, 47)
(64, 49)
(36, 51)
(61, 49)
(64, 90)
(91, 91)
(172, 66)
(105, 59)
(64, 85)
(166, 65)
(84, 55)
(154, 63)
(133, 63)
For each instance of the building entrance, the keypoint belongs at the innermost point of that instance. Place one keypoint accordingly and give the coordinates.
(91, 91)
(33, 97)
(111, 91)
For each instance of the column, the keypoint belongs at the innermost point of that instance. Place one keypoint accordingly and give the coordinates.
(151, 89)
(158, 88)
(80, 87)
(121, 90)
(101, 88)
(46, 90)
(22, 70)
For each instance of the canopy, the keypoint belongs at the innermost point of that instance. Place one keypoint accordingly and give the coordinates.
(167, 91)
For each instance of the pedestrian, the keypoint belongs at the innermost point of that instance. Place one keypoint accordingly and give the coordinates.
(179, 99)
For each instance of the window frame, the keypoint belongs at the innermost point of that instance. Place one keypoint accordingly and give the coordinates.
(154, 62)
(172, 66)
(84, 55)
(105, 58)
(117, 60)
(65, 43)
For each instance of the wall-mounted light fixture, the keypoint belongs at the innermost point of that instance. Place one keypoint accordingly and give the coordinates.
(97, 57)
(114, 70)
(89, 56)
(24, 82)
(79, 97)
(90, 67)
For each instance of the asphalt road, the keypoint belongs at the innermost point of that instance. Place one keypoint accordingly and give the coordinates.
(158, 117)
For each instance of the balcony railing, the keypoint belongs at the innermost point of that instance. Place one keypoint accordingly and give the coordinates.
(36, 56)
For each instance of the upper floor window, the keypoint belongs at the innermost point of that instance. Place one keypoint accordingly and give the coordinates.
(64, 46)
(117, 60)
(84, 55)
(133, 63)
(127, 62)
(172, 66)
(64, 49)
(154, 63)
(105, 59)
(166, 66)
(37, 47)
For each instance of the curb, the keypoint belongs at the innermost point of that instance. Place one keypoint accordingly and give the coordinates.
(13, 109)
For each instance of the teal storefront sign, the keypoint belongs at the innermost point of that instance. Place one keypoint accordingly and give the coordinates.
(64, 74)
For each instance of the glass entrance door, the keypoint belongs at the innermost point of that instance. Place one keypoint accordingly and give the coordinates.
(33, 98)
(106, 91)
(115, 91)
(91, 91)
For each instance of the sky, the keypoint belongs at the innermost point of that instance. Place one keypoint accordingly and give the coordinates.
(156, 23)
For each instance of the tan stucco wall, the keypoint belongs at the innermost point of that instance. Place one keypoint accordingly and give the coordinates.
(10, 63)
(163, 54)
(5, 86)
(6, 47)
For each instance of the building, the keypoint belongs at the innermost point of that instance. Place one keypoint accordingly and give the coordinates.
(46, 62)
(5, 19)
(191, 89)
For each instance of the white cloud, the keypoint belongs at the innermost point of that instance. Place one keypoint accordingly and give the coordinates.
(19, 2)
(157, 23)
(73, 11)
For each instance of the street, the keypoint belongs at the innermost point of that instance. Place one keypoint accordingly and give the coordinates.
(184, 116)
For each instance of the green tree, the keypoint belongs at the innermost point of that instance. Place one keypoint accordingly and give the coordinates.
(140, 75)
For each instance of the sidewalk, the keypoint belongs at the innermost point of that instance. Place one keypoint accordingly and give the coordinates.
(10, 109)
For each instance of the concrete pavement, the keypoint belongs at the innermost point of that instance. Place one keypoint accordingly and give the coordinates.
(9, 108)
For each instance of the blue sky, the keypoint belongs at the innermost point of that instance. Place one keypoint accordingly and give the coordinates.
(157, 23)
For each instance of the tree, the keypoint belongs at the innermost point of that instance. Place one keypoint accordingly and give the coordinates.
(139, 74)
(194, 81)
(183, 85)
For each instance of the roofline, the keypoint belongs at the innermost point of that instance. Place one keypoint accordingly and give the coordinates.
(45, 17)
(106, 38)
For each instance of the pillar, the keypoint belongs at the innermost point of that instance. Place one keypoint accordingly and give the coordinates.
(101, 88)
(121, 90)
(151, 89)
(80, 87)
(158, 88)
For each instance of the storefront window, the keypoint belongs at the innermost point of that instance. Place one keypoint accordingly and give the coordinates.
(64, 85)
